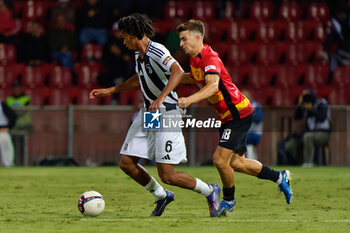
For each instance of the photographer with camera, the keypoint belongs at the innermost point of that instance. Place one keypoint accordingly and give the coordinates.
(317, 127)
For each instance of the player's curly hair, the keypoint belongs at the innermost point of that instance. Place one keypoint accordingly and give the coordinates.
(192, 25)
(137, 25)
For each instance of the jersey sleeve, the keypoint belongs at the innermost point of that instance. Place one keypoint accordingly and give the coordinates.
(163, 57)
(212, 65)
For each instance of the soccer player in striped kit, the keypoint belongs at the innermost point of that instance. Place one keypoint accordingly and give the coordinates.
(157, 73)
(233, 109)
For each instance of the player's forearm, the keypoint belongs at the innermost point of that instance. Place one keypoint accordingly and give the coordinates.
(130, 84)
(174, 80)
(207, 91)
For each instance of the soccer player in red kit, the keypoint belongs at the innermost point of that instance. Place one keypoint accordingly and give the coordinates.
(233, 109)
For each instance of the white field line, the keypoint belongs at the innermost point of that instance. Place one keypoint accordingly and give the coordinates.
(176, 220)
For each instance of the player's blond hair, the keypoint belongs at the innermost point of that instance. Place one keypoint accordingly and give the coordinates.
(192, 25)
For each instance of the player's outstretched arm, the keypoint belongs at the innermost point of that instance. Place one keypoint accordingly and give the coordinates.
(174, 80)
(130, 84)
(210, 89)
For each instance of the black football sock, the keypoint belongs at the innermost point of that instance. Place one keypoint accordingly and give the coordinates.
(268, 173)
(229, 193)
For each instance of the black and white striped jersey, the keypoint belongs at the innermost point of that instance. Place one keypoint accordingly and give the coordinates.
(154, 73)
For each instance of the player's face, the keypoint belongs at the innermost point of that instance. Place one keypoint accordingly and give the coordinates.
(129, 41)
(188, 42)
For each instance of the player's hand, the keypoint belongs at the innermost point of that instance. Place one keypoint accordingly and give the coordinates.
(99, 92)
(184, 102)
(156, 104)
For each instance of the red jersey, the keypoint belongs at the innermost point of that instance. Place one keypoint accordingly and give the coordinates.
(229, 102)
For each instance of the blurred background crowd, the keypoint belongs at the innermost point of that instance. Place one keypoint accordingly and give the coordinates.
(57, 50)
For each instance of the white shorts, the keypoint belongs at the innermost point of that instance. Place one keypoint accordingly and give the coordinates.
(167, 147)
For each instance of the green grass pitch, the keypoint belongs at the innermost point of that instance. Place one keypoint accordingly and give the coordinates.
(43, 199)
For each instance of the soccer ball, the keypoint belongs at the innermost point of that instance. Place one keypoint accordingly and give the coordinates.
(91, 203)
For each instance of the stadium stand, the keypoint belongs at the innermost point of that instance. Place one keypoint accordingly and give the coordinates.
(264, 45)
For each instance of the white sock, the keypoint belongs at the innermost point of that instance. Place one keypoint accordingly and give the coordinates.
(154, 187)
(280, 178)
(203, 188)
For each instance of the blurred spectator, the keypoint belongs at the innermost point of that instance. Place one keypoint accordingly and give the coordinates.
(118, 8)
(117, 60)
(337, 42)
(63, 8)
(62, 42)
(34, 49)
(19, 99)
(8, 23)
(317, 131)
(92, 22)
(255, 131)
(7, 121)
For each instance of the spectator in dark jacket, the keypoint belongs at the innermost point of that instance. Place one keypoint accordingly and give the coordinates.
(317, 126)
(337, 42)
(92, 22)
(35, 49)
(7, 121)
(63, 8)
(62, 42)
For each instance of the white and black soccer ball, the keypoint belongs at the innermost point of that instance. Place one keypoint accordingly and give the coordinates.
(91, 203)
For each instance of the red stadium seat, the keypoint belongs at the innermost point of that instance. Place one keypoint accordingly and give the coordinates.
(295, 54)
(86, 75)
(269, 54)
(314, 31)
(270, 31)
(312, 50)
(263, 96)
(261, 10)
(316, 76)
(177, 9)
(91, 53)
(286, 77)
(34, 10)
(217, 31)
(282, 98)
(341, 77)
(339, 96)
(4, 93)
(130, 97)
(295, 32)
(241, 53)
(7, 76)
(37, 95)
(229, 10)
(258, 77)
(82, 98)
(203, 10)
(241, 31)
(60, 77)
(318, 11)
(236, 75)
(289, 11)
(7, 54)
(33, 77)
(60, 96)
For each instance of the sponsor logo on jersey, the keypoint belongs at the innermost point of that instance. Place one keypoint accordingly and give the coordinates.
(210, 67)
